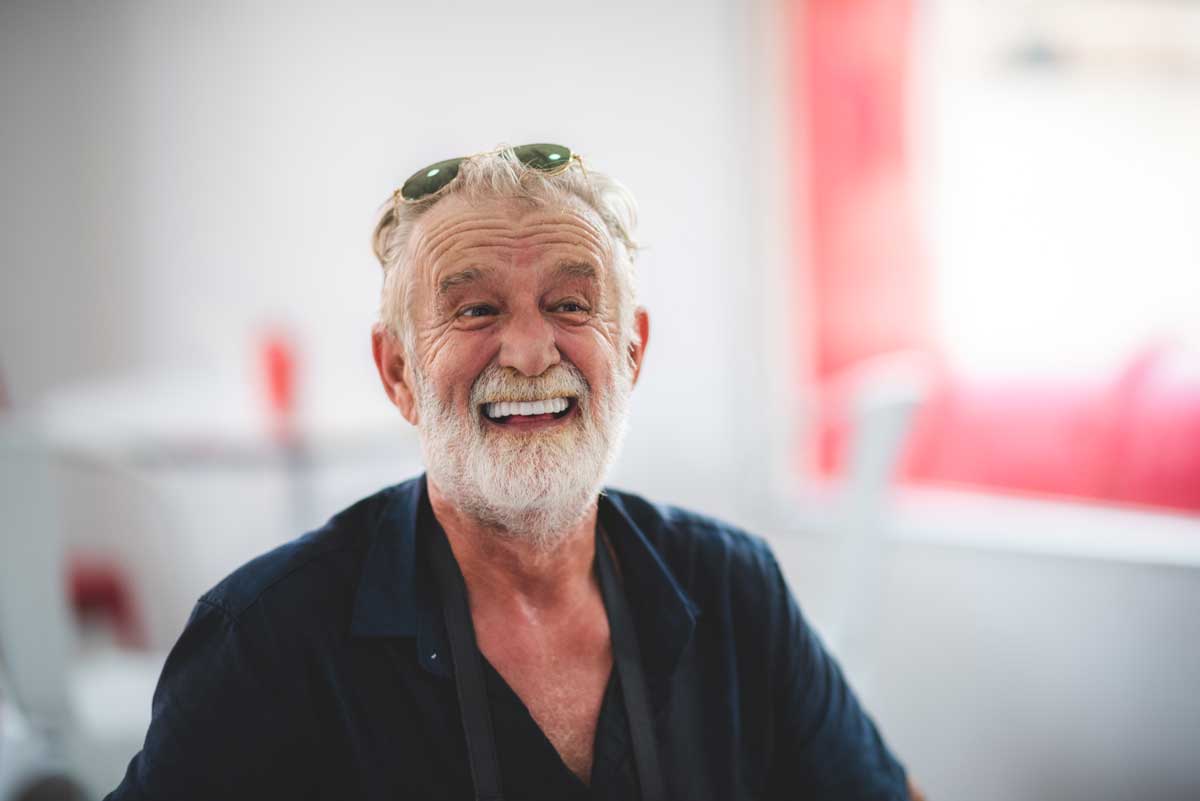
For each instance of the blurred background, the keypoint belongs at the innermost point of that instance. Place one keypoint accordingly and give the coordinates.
(924, 278)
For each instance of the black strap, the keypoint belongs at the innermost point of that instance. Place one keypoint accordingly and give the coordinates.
(472, 693)
(468, 672)
(633, 680)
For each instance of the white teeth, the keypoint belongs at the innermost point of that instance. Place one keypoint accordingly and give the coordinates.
(528, 408)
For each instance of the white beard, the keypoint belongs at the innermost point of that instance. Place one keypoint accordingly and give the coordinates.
(533, 486)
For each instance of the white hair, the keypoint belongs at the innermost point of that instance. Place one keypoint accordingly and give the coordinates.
(500, 175)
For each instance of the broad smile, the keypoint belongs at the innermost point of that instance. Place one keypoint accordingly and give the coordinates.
(526, 415)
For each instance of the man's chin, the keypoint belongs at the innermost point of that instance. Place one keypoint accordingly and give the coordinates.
(538, 507)
(521, 479)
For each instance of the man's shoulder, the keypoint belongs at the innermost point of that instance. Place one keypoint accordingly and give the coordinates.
(308, 571)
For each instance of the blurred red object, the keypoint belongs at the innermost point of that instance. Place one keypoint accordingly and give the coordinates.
(1023, 435)
(868, 286)
(278, 359)
(1131, 439)
(1157, 453)
(100, 593)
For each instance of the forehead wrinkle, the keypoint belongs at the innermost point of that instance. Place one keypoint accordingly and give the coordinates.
(549, 233)
(505, 226)
(578, 226)
(438, 240)
(452, 251)
(436, 237)
(572, 227)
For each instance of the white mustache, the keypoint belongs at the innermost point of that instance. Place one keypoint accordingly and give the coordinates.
(499, 384)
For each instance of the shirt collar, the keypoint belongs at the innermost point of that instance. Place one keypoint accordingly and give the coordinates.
(664, 614)
(386, 602)
(395, 599)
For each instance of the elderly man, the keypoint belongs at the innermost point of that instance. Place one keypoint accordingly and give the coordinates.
(501, 627)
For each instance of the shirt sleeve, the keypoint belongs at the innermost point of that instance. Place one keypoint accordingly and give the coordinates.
(225, 723)
(826, 746)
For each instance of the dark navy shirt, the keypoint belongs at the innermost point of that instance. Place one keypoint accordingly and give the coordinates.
(321, 671)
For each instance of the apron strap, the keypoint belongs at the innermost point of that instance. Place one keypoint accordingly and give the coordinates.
(633, 679)
(468, 672)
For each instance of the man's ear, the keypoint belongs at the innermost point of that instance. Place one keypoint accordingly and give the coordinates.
(394, 371)
(637, 349)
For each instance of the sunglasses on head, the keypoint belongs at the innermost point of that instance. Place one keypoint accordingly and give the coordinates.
(428, 181)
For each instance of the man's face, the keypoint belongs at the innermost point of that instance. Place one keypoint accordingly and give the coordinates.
(517, 304)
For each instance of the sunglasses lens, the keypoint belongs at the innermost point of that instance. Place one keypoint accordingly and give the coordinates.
(543, 157)
(430, 180)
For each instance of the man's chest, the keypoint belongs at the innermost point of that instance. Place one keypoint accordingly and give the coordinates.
(389, 727)
(561, 684)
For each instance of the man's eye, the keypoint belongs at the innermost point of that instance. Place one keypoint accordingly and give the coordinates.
(479, 310)
(570, 307)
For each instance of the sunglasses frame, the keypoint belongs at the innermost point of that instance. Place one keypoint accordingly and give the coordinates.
(431, 170)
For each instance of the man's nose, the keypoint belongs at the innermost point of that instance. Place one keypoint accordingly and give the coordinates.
(527, 344)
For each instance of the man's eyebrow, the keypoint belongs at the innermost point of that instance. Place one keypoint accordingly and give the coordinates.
(577, 270)
(461, 278)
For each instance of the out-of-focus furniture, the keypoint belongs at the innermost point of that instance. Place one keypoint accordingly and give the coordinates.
(82, 712)
(1010, 647)
(175, 479)
(883, 398)
(30, 767)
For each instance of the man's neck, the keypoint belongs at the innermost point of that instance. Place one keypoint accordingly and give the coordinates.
(517, 576)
